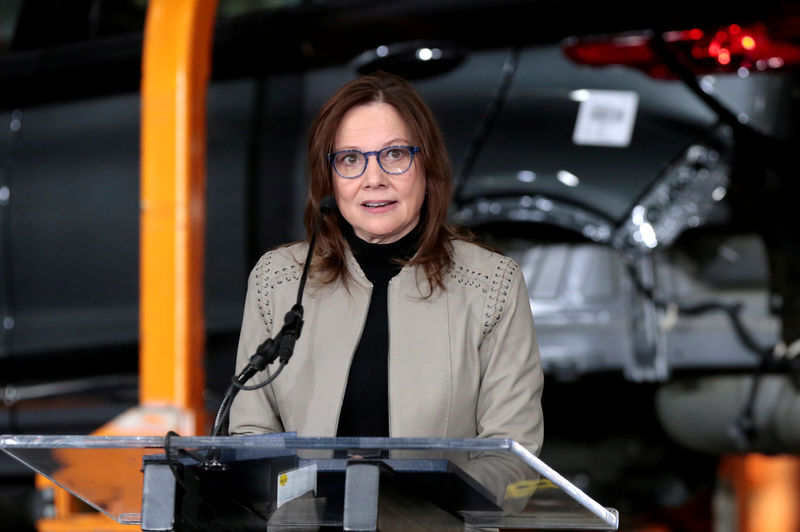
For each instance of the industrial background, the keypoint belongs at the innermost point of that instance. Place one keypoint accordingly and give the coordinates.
(639, 160)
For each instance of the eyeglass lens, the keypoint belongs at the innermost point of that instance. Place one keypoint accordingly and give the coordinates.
(393, 160)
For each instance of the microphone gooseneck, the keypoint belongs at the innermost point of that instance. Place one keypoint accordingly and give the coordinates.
(280, 347)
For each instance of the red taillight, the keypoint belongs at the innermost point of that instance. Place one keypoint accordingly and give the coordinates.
(725, 49)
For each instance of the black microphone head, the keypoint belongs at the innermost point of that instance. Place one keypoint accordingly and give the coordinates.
(327, 205)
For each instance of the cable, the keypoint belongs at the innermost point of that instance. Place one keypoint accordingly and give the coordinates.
(261, 384)
(743, 431)
(678, 67)
(170, 462)
(509, 70)
(279, 348)
(695, 309)
(227, 400)
(209, 504)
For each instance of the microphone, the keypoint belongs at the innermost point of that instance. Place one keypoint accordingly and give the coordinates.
(282, 346)
(326, 206)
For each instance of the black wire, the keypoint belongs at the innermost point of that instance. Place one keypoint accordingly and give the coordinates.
(695, 309)
(293, 324)
(676, 64)
(743, 431)
(261, 384)
(282, 346)
(306, 266)
(230, 393)
(182, 452)
(509, 70)
(209, 504)
(170, 463)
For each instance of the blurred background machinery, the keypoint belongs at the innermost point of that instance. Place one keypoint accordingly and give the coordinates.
(638, 161)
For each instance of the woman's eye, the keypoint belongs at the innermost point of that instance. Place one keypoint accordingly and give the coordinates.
(350, 158)
(394, 154)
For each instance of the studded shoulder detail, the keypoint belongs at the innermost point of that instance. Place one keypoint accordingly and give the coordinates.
(493, 280)
(468, 277)
(272, 271)
(498, 287)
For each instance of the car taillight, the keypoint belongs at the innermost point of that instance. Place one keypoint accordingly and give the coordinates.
(730, 48)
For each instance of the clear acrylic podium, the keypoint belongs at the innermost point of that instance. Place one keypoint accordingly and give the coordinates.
(471, 483)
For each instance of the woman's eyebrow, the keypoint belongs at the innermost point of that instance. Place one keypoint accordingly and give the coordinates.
(393, 142)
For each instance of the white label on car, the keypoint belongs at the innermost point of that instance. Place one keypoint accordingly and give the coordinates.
(606, 118)
(292, 484)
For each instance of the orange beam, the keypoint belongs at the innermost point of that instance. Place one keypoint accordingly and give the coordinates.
(766, 490)
(175, 72)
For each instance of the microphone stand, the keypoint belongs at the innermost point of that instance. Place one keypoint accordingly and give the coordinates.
(280, 347)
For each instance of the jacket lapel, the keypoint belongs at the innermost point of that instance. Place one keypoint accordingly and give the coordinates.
(321, 362)
(419, 360)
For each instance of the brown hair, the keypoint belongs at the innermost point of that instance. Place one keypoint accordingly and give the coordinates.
(435, 250)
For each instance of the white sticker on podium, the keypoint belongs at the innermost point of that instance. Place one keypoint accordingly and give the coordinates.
(605, 118)
(294, 483)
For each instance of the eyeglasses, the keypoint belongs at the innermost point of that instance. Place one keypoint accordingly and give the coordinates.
(350, 164)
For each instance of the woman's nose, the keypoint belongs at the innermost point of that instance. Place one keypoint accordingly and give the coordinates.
(374, 176)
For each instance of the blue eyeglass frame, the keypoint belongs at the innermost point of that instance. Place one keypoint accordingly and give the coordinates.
(413, 149)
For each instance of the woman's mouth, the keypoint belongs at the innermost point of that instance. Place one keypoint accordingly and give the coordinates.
(378, 206)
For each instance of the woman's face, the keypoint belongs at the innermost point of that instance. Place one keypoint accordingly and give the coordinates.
(381, 207)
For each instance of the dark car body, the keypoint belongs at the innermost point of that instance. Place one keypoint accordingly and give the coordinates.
(657, 278)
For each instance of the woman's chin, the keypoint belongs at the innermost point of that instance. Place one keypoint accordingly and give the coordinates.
(379, 235)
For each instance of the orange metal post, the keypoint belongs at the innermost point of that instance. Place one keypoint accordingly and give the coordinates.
(766, 490)
(176, 66)
(175, 72)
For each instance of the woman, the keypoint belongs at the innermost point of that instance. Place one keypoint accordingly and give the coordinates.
(411, 330)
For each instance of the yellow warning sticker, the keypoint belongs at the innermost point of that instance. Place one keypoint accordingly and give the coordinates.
(296, 482)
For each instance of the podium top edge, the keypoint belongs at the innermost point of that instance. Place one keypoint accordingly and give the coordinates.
(264, 441)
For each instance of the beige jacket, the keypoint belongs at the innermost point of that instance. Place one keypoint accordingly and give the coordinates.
(463, 363)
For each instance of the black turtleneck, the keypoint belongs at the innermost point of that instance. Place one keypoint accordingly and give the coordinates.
(365, 409)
